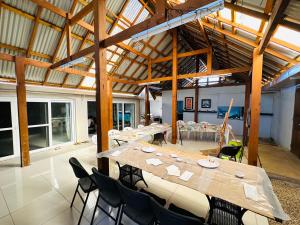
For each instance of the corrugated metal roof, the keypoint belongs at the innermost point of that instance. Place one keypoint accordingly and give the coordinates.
(73, 79)
(56, 77)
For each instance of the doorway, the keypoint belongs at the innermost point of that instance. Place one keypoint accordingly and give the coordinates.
(295, 146)
(9, 138)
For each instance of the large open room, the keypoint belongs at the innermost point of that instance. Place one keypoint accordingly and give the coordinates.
(149, 112)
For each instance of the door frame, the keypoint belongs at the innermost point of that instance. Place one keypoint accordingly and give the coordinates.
(294, 138)
(15, 126)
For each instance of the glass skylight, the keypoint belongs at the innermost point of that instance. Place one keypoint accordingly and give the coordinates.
(288, 35)
(248, 21)
(88, 81)
(226, 13)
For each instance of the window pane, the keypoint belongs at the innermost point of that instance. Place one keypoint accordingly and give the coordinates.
(38, 137)
(37, 113)
(61, 122)
(5, 115)
(6, 143)
(129, 115)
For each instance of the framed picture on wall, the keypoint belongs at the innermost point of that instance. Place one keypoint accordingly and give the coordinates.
(206, 103)
(189, 103)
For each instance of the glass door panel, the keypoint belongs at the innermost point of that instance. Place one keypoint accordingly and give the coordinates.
(115, 116)
(120, 116)
(6, 130)
(38, 125)
(61, 122)
(128, 115)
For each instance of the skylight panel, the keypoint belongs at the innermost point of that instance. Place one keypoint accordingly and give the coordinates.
(248, 21)
(132, 10)
(288, 35)
(108, 67)
(88, 81)
(226, 13)
(142, 16)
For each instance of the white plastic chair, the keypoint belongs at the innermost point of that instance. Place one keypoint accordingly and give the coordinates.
(94, 139)
(113, 132)
(127, 128)
(154, 123)
(140, 126)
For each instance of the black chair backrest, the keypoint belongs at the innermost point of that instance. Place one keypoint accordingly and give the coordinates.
(135, 199)
(167, 217)
(106, 184)
(230, 150)
(78, 169)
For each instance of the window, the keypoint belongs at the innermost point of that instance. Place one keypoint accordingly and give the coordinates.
(6, 132)
(288, 35)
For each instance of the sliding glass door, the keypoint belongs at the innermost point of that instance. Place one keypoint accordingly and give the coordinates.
(61, 122)
(38, 125)
(8, 131)
(123, 115)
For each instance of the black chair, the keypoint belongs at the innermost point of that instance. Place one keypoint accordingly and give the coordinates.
(136, 206)
(184, 212)
(130, 175)
(164, 216)
(229, 152)
(158, 199)
(223, 212)
(159, 137)
(108, 192)
(85, 181)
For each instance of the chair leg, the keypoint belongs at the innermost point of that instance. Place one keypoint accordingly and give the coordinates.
(96, 206)
(74, 196)
(118, 215)
(119, 218)
(82, 211)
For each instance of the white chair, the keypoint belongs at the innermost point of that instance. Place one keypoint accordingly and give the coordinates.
(227, 133)
(127, 128)
(140, 126)
(94, 139)
(154, 123)
(113, 132)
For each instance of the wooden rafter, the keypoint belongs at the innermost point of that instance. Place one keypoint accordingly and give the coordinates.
(34, 31)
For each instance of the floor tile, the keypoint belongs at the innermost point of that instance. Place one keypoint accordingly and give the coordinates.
(68, 217)
(3, 207)
(6, 220)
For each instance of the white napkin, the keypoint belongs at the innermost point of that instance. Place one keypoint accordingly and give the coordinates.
(173, 170)
(250, 191)
(153, 161)
(186, 175)
(116, 153)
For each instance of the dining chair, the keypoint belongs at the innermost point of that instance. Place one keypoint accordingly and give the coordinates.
(107, 191)
(85, 181)
(230, 152)
(160, 200)
(223, 212)
(136, 206)
(181, 211)
(164, 216)
(140, 126)
(159, 137)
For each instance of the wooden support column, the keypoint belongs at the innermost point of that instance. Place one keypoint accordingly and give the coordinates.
(22, 111)
(209, 60)
(110, 104)
(68, 37)
(197, 91)
(101, 84)
(255, 107)
(174, 87)
(147, 106)
(246, 108)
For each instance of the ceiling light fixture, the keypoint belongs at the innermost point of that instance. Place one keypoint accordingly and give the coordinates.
(180, 20)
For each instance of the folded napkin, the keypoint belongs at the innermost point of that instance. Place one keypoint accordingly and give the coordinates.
(116, 153)
(250, 191)
(153, 161)
(186, 175)
(173, 170)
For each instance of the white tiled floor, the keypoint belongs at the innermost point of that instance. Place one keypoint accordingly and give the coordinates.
(42, 192)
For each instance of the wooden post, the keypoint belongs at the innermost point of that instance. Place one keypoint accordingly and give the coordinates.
(197, 91)
(110, 104)
(101, 84)
(246, 108)
(68, 36)
(209, 61)
(174, 87)
(255, 107)
(22, 111)
(147, 106)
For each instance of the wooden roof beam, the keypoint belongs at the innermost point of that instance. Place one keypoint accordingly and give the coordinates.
(276, 16)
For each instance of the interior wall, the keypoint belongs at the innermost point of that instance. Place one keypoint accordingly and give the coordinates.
(220, 96)
(282, 123)
(155, 106)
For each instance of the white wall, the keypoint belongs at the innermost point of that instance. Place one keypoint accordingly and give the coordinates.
(282, 123)
(220, 96)
(79, 99)
(155, 106)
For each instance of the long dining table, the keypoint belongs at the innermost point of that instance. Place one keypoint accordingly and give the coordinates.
(140, 133)
(220, 182)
